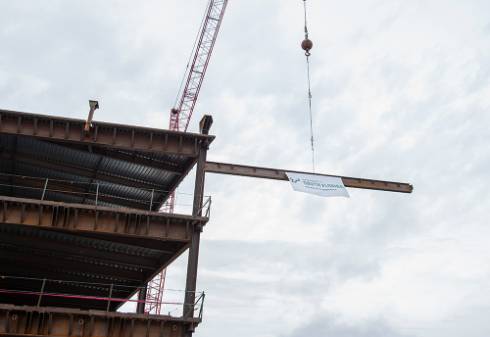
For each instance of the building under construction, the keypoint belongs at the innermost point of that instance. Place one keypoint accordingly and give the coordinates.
(87, 226)
(81, 234)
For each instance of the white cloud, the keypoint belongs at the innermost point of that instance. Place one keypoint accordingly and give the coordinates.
(401, 91)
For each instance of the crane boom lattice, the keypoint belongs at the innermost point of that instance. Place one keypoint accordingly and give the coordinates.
(181, 113)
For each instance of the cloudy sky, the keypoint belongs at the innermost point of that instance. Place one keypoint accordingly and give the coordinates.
(401, 91)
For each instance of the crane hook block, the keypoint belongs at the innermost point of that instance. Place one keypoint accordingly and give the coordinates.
(307, 45)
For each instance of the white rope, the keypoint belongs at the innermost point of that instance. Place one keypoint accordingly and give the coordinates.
(310, 96)
(312, 139)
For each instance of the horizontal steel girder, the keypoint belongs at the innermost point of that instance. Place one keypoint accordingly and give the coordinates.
(279, 174)
(104, 220)
(64, 322)
(115, 136)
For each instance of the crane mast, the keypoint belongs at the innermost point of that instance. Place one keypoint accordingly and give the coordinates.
(181, 113)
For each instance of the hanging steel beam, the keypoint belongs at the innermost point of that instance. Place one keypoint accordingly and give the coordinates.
(280, 174)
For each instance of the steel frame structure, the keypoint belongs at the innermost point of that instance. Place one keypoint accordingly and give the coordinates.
(83, 242)
(46, 234)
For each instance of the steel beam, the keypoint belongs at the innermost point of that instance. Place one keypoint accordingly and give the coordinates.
(193, 257)
(280, 174)
(65, 322)
(104, 220)
(140, 307)
(112, 136)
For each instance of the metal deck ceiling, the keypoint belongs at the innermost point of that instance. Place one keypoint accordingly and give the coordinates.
(35, 254)
(83, 171)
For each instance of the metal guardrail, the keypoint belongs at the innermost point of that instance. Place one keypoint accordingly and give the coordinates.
(172, 305)
(44, 189)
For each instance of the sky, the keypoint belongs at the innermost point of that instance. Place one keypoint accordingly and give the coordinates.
(401, 91)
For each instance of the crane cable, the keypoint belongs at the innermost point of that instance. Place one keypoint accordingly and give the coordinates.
(307, 44)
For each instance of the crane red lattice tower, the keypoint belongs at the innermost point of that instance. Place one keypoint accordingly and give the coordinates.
(181, 113)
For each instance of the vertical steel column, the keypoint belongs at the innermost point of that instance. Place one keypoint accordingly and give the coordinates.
(140, 307)
(192, 260)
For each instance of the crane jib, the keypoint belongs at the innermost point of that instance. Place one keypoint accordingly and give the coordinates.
(196, 70)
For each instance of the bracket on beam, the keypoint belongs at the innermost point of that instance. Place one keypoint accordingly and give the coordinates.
(94, 105)
(205, 124)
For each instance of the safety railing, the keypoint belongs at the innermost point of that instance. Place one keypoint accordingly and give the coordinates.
(206, 207)
(94, 193)
(112, 297)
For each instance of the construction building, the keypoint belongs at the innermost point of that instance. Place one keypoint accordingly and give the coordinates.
(80, 229)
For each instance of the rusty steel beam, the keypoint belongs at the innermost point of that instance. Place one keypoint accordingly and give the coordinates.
(103, 220)
(66, 322)
(113, 136)
(280, 174)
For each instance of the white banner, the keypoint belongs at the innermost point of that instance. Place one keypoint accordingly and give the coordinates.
(324, 186)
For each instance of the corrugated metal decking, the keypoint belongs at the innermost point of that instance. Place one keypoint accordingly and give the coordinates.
(128, 166)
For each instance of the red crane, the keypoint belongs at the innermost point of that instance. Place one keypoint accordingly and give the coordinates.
(181, 113)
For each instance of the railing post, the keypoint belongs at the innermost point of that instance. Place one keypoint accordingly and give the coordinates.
(140, 307)
(208, 210)
(202, 305)
(41, 294)
(151, 199)
(44, 189)
(97, 194)
(110, 297)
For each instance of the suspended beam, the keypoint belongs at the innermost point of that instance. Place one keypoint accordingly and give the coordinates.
(279, 174)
